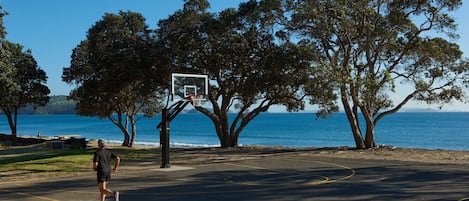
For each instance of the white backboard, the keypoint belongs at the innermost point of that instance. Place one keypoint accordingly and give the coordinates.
(184, 86)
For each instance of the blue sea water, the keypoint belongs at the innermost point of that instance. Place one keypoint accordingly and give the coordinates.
(428, 130)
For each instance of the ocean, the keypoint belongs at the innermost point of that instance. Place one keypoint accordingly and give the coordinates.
(427, 130)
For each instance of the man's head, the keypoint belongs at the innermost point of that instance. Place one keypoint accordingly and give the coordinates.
(101, 143)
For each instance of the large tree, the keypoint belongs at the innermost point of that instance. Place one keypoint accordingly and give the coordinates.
(251, 63)
(117, 72)
(30, 85)
(367, 47)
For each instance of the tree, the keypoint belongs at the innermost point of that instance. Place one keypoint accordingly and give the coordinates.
(30, 81)
(252, 65)
(7, 71)
(2, 29)
(367, 47)
(117, 72)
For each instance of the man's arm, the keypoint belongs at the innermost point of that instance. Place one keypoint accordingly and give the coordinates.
(95, 165)
(117, 163)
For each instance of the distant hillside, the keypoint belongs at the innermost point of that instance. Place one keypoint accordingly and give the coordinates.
(56, 105)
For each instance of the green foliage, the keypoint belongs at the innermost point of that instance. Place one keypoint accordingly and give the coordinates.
(7, 70)
(117, 70)
(29, 77)
(2, 29)
(246, 54)
(114, 68)
(28, 83)
(363, 47)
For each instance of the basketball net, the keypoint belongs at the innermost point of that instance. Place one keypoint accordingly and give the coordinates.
(195, 101)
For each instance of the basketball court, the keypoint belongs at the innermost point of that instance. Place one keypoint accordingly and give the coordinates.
(285, 176)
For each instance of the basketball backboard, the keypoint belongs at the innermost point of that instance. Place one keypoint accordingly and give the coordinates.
(189, 86)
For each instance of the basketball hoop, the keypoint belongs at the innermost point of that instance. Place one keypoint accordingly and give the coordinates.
(197, 103)
(196, 100)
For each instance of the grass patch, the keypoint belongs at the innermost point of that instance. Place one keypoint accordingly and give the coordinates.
(41, 162)
(131, 156)
(47, 161)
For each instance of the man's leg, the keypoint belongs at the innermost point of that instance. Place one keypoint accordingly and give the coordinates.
(104, 191)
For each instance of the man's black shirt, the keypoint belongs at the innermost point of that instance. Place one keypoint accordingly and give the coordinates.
(103, 157)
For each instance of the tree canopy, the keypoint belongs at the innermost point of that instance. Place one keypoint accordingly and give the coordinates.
(117, 72)
(274, 52)
(7, 71)
(367, 47)
(251, 64)
(2, 29)
(29, 80)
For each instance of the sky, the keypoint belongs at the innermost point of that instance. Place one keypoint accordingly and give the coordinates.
(52, 28)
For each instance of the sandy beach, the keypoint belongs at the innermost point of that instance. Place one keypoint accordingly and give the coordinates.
(185, 154)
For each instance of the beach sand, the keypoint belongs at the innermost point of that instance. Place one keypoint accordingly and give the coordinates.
(191, 155)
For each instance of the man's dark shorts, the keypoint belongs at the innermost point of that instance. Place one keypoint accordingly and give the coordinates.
(102, 177)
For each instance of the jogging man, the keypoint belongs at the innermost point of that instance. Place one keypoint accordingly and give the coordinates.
(102, 166)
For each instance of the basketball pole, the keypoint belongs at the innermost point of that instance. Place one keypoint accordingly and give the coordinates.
(191, 88)
(164, 139)
(168, 114)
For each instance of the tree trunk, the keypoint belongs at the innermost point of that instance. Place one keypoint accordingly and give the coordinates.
(224, 139)
(221, 132)
(122, 127)
(370, 132)
(220, 122)
(125, 131)
(126, 139)
(14, 128)
(370, 137)
(133, 124)
(355, 127)
(234, 140)
(227, 139)
(370, 127)
(12, 124)
(357, 135)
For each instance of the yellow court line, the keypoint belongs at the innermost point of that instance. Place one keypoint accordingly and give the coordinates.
(325, 180)
(248, 166)
(29, 195)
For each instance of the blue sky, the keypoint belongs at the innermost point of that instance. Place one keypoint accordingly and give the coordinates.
(52, 28)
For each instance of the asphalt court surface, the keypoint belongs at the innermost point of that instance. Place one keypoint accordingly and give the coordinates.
(305, 177)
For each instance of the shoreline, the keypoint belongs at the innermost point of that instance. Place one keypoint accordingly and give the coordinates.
(379, 153)
(4, 138)
(182, 145)
(115, 143)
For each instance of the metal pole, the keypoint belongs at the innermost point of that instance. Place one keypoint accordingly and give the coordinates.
(168, 114)
(164, 139)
